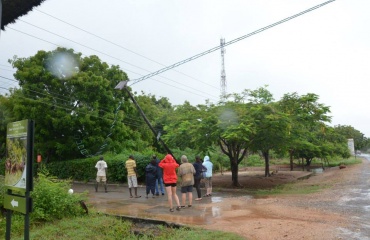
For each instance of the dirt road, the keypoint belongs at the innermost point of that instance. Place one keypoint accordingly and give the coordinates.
(340, 211)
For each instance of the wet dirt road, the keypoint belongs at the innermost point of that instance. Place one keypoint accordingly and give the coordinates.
(341, 212)
(118, 202)
(355, 203)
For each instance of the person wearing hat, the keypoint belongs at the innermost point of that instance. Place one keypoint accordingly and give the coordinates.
(101, 175)
(131, 175)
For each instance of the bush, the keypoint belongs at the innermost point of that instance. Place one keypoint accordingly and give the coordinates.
(255, 161)
(51, 199)
(84, 169)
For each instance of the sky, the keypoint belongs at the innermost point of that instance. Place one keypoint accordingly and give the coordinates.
(325, 51)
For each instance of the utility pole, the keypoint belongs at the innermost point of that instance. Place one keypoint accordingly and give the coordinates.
(122, 86)
(223, 73)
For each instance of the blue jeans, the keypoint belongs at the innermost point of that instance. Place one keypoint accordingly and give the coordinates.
(159, 181)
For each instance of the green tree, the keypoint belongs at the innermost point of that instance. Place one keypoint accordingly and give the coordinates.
(73, 102)
(5, 118)
(272, 131)
(305, 115)
(361, 142)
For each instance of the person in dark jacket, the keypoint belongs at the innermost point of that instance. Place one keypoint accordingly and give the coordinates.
(169, 165)
(198, 176)
(159, 181)
(151, 176)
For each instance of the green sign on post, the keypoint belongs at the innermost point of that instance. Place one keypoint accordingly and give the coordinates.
(18, 172)
(16, 161)
(15, 203)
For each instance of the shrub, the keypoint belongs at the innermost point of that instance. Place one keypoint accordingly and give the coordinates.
(51, 199)
(84, 169)
(255, 160)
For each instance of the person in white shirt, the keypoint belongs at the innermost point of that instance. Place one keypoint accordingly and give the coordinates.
(101, 175)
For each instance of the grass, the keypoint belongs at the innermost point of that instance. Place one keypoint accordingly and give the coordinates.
(102, 227)
(291, 188)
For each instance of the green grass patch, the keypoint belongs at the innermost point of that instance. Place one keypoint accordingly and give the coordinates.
(349, 161)
(102, 227)
(291, 188)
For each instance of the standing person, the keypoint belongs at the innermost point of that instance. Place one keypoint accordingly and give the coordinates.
(131, 175)
(150, 177)
(159, 180)
(198, 176)
(101, 175)
(186, 172)
(208, 179)
(169, 165)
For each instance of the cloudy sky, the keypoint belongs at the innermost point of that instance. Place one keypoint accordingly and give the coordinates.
(325, 51)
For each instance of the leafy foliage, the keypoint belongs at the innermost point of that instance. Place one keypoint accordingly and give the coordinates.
(51, 199)
(84, 169)
(69, 105)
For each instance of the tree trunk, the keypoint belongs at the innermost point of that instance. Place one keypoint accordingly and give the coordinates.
(234, 172)
(302, 165)
(291, 159)
(267, 163)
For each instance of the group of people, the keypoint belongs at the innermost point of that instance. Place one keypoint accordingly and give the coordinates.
(159, 173)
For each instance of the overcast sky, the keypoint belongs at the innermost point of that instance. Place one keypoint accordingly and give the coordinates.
(325, 51)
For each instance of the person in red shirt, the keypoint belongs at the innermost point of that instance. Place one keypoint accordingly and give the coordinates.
(169, 165)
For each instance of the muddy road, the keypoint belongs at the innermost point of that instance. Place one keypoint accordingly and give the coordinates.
(340, 211)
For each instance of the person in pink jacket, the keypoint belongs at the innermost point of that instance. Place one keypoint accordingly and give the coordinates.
(169, 165)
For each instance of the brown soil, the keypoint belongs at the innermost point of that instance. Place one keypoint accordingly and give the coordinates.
(296, 216)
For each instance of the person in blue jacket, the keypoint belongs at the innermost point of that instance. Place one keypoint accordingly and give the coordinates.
(159, 181)
(151, 176)
(208, 178)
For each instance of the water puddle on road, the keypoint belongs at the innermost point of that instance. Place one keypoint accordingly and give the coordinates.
(204, 212)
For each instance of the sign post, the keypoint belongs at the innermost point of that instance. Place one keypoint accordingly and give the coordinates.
(18, 172)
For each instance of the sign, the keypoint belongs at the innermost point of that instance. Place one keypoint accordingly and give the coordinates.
(17, 162)
(351, 146)
(15, 203)
(18, 172)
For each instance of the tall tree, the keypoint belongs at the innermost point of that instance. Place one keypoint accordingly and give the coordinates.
(272, 131)
(305, 114)
(73, 102)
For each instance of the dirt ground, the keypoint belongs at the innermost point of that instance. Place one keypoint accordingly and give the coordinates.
(296, 216)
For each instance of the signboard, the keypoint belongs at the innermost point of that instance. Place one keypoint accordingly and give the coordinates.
(15, 203)
(16, 163)
(351, 146)
(18, 172)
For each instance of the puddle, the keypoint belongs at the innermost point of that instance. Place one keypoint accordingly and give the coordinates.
(205, 212)
(216, 199)
(317, 170)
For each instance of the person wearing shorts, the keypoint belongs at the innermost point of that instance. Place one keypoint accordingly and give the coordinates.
(101, 175)
(131, 175)
(186, 172)
(169, 165)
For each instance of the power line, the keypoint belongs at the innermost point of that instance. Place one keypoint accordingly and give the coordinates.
(64, 100)
(120, 46)
(228, 43)
(136, 123)
(106, 55)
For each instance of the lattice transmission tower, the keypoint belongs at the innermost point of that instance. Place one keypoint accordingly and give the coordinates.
(223, 73)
